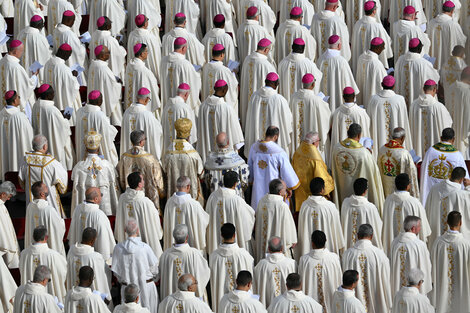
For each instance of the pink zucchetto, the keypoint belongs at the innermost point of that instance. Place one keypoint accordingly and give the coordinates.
(219, 18)
(184, 86)
(93, 95)
(348, 91)
(388, 81)
(65, 47)
(36, 18)
(414, 42)
(100, 21)
(332, 1)
(263, 43)
(137, 47)
(68, 13)
(449, 4)
(296, 11)
(333, 39)
(140, 20)
(180, 41)
(299, 42)
(98, 49)
(43, 88)
(252, 11)
(180, 14)
(218, 47)
(9, 94)
(369, 5)
(377, 41)
(308, 78)
(272, 77)
(430, 82)
(143, 91)
(15, 43)
(220, 83)
(408, 10)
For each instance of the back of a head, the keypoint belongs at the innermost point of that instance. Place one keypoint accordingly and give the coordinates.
(457, 174)
(40, 273)
(311, 137)
(317, 185)
(185, 281)
(275, 244)
(275, 186)
(86, 273)
(398, 133)
(414, 277)
(272, 131)
(132, 227)
(402, 181)
(40, 233)
(38, 142)
(354, 130)
(134, 179)
(365, 231)
(227, 231)
(244, 278)
(36, 189)
(454, 219)
(131, 292)
(136, 137)
(293, 281)
(416, 49)
(182, 182)
(350, 277)
(92, 193)
(360, 186)
(8, 187)
(410, 222)
(230, 179)
(221, 140)
(318, 239)
(180, 233)
(447, 134)
(89, 234)
(458, 51)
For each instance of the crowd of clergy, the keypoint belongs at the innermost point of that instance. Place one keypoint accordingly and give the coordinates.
(235, 156)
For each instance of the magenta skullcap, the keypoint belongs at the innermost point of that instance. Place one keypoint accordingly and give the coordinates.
(299, 42)
(100, 21)
(332, 1)
(272, 77)
(9, 94)
(15, 43)
(180, 14)
(308, 78)
(140, 20)
(137, 47)
(295, 11)
(263, 43)
(68, 13)
(220, 83)
(98, 49)
(414, 42)
(43, 88)
(333, 39)
(36, 18)
(180, 41)
(218, 47)
(252, 11)
(348, 91)
(65, 47)
(449, 4)
(93, 95)
(409, 10)
(377, 41)
(388, 81)
(184, 86)
(369, 5)
(143, 91)
(430, 82)
(219, 18)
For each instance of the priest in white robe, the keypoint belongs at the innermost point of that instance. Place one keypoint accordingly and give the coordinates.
(394, 159)
(88, 214)
(350, 160)
(8, 288)
(241, 299)
(320, 271)
(293, 68)
(268, 108)
(336, 72)
(445, 33)
(387, 111)
(39, 212)
(294, 299)
(291, 30)
(38, 165)
(131, 301)
(185, 298)
(319, 214)
(181, 208)
(138, 116)
(227, 9)
(190, 9)
(8, 241)
(397, 207)
(412, 71)
(255, 68)
(217, 35)
(409, 299)
(344, 298)
(450, 271)
(180, 259)
(226, 206)
(407, 252)
(225, 262)
(373, 266)
(40, 253)
(458, 103)
(273, 218)
(271, 272)
(90, 117)
(180, 71)
(451, 70)
(33, 297)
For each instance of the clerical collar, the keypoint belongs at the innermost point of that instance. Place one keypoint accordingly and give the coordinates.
(453, 231)
(217, 96)
(92, 154)
(334, 52)
(180, 193)
(269, 87)
(10, 106)
(349, 104)
(179, 244)
(138, 104)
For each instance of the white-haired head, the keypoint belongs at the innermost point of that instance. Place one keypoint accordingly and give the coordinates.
(131, 293)
(185, 282)
(182, 182)
(180, 233)
(415, 277)
(39, 141)
(398, 133)
(311, 137)
(132, 228)
(8, 188)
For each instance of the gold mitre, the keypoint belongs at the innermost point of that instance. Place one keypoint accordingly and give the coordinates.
(183, 127)
(93, 140)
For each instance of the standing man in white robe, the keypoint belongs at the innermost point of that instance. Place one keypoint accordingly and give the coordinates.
(181, 208)
(268, 108)
(40, 253)
(398, 7)
(451, 71)
(458, 103)
(294, 299)
(39, 212)
(320, 271)
(344, 299)
(54, 11)
(8, 288)
(267, 17)
(271, 272)
(179, 259)
(227, 9)
(357, 9)
(33, 297)
(134, 204)
(409, 298)
(373, 266)
(114, 10)
(131, 301)
(134, 262)
(273, 218)
(150, 9)
(90, 117)
(217, 35)
(407, 252)
(397, 207)
(189, 8)
(241, 299)
(23, 11)
(226, 206)
(450, 273)
(224, 262)
(8, 240)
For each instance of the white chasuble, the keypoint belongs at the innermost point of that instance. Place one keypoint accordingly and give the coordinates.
(227, 9)
(355, 12)
(115, 11)
(33, 298)
(64, 34)
(130, 307)
(450, 74)
(183, 301)
(117, 58)
(345, 301)
(55, 10)
(24, 10)
(396, 11)
(150, 9)
(81, 299)
(240, 301)
(308, 10)
(190, 9)
(294, 301)
(248, 35)
(408, 299)
(458, 106)
(154, 47)
(267, 17)
(403, 31)
(218, 35)
(36, 48)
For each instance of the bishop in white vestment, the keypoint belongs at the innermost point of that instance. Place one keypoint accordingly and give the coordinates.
(227, 9)
(151, 9)
(241, 298)
(24, 10)
(267, 17)
(404, 6)
(190, 9)
(451, 71)
(55, 10)
(114, 11)
(344, 298)
(458, 103)
(217, 35)
(409, 298)
(357, 9)
(8, 240)
(308, 10)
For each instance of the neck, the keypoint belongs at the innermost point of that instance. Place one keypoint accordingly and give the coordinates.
(229, 241)
(456, 228)
(295, 289)
(88, 243)
(243, 288)
(84, 285)
(347, 287)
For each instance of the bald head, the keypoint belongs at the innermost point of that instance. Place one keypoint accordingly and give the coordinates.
(187, 282)
(221, 140)
(93, 195)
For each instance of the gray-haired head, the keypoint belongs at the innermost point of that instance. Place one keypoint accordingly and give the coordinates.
(136, 137)
(132, 228)
(365, 231)
(40, 273)
(180, 233)
(414, 277)
(275, 244)
(311, 137)
(38, 142)
(131, 293)
(8, 187)
(275, 186)
(185, 281)
(142, 97)
(410, 222)
(398, 133)
(182, 182)
(182, 92)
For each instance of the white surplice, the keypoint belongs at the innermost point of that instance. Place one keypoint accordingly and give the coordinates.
(240, 301)
(36, 48)
(270, 276)
(248, 35)
(154, 47)
(138, 75)
(320, 272)
(218, 35)
(183, 301)
(345, 301)
(174, 109)
(8, 242)
(403, 31)
(294, 301)
(7, 290)
(369, 75)
(287, 32)
(83, 298)
(213, 71)
(195, 52)
(408, 300)
(33, 298)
